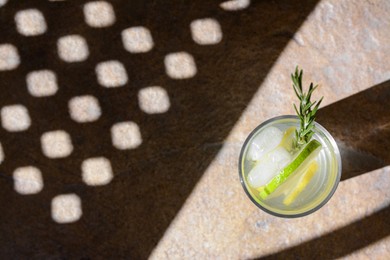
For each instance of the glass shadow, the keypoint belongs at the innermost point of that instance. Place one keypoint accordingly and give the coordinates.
(360, 125)
(341, 242)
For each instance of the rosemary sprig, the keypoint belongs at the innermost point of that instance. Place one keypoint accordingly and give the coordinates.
(307, 110)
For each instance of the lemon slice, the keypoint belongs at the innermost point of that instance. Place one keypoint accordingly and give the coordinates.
(288, 138)
(303, 182)
(307, 154)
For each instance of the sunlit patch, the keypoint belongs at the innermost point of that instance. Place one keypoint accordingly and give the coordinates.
(137, 39)
(42, 83)
(3, 2)
(235, 5)
(126, 135)
(66, 208)
(30, 22)
(27, 180)
(15, 118)
(1, 154)
(96, 171)
(84, 109)
(56, 144)
(111, 74)
(206, 31)
(9, 57)
(99, 14)
(72, 48)
(153, 100)
(180, 65)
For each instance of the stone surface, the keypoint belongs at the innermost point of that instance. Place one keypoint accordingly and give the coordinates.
(9, 58)
(99, 14)
(341, 46)
(72, 48)
(163, 182)
(30, 22)
(42, 83)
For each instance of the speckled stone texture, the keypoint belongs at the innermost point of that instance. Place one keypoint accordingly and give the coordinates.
(151, 102)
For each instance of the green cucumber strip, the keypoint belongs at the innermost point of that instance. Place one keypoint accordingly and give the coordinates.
(282, 176)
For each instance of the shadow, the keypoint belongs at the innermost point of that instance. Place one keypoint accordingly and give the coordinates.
(127, 217)
(343, 241)
(361, 126)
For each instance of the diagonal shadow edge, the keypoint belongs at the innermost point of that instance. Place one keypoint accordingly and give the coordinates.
(360, 125)
(341, 242)
(358, 157)
(132, 212)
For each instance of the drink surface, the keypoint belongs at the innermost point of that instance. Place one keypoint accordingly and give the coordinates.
(318, 189)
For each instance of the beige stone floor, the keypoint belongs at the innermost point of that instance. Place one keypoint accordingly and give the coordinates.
(343, 45)
(149, 103)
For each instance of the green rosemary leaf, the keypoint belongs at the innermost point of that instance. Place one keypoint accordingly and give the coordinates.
(311, 120)
(311, 91)
(314, 111)
(307, 130)
(300, 79)
(296, 110)
(310, 135)
(307, 106)
(294, 80)
(296, 92)
(307, 109)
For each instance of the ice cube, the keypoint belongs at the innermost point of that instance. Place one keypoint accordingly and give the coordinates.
(268, 167)
(264, 142)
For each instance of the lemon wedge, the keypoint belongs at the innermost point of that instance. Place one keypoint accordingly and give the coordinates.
(288, 138)
(303, 182)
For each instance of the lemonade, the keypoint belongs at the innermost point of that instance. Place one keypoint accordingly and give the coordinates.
(284, 181)
(290, 165)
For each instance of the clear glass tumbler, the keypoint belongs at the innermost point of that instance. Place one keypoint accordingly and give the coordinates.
(317, 192)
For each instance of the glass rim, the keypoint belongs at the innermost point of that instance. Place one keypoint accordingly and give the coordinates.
(328, 196)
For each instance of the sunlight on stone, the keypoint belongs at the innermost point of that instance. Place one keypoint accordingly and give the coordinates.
(27, 180)
(126, 135)
(137, 39)
(153, 100)
(84, 109)
(206, 31)
(30, 22)
(111, 74)
(56, 144)
(99, 14)
(66, 208)
(180, 65)
(3, 2)
(235, 5)
(1, 154)
(15, 118)
(42, 83)
(96, 171)
(9, 57)
(72, 48)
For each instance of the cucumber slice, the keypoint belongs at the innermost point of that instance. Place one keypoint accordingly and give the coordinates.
(305, 155)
